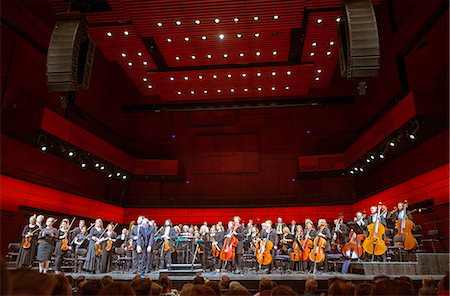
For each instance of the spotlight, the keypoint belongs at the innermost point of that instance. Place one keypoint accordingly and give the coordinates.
(381, 156)
(221, 36)
(97, 165)
(102, 167)
(391, 143)
(411, 136)
(368, 160)
(361, 169)
(118, 174)
(83, 165)
(372, 157)
(110, 175)
(188, 182)
(352, 172)
(124, 177)
(44, 148)
(71, 154)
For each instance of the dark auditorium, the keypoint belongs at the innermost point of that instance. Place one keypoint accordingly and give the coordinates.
(224, 147)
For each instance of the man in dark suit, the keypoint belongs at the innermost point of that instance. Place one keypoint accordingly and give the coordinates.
(144, 246)
(279, 227)
(134, 235)
(239, 233)
(168, 235)
(293, 227)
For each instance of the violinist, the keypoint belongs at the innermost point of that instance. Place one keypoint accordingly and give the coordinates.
(40, 221)
(63, 233)
(168, 235)
(47, 238)
(29, 244)
(92, 260)
(134, 234)
(324, 232)
(239, 233)
(144, 246)
(80, 241)
(74, 232)
(106, 258)
(122, 239)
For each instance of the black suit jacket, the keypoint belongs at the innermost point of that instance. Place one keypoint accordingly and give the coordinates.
(145, 239)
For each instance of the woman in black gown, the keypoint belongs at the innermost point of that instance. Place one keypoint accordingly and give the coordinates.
(107, 256)
(47, 238)
(26, 255)
(92, 263)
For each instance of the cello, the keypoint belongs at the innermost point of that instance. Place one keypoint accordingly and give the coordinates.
(317, 254)
(405, 227)
(335, 244)
(374, 244)
(353, 249)
(227, 253)
(306, 244)
(263, 255)
(65, 241)
(296, 252)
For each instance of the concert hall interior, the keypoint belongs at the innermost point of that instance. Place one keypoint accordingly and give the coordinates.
(200, 111)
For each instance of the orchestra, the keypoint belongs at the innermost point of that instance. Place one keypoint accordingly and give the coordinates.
(307, 245)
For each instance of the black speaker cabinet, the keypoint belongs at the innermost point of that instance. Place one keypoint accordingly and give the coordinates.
(359, 47)
(69, 58)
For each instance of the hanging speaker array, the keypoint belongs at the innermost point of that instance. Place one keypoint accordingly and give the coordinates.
(359, 47)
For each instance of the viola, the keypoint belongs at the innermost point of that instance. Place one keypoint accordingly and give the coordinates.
(228, 250)
(27, 240)
(405, 227)
(263, 255)
(65, 240)
(353, 249)
(98, 249)
(374, 243)
(306, 244)
(317, 254)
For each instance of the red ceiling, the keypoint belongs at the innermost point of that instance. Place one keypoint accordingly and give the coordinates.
(194, 29)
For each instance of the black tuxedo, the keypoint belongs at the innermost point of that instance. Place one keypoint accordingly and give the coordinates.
(134, 235)
(145, 239)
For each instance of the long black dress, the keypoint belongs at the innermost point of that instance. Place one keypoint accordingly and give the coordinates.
(26, 256)
(48, 236)
(107, 256)
(92, 261)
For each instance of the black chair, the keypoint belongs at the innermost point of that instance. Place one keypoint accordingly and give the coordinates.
(13, 251)
(433, 237)
(80, 258)
(122, 259)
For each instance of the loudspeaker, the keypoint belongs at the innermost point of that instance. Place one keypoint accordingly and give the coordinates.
(70, 56)
(359, 47)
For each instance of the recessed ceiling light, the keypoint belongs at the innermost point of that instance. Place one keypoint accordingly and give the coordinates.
(274, 73)
(258, 74)
(288, 72)
(200, 77)
(319, 21)
(209, 56)
(186, 78)
(232, 90)
(259, 88)
(109, 34)
(169, 40)
(331, 43)
(239, 35)
(177, 58)
(186, 39)
(274, 52)
(197, 22)
(219, 90)
(273, 88)
(217, 20)
(328, 53)
(319, 71)
(311, 54)
(225, 55)
(214, 76)
(236, 20)
(256, 35)
(150, 86)
(179, 92)
(139, 54)
(145, 63)
(258, 53)
(244, 74)
(126, 33)
(241, 54)
(178, 23)
(229, 75)
(317, 78)
(245, 89)
(338, 19)
(286, 87)
(172, 78)
(204, 37)
(192, 92)
(159, 24)
(145, 79)
(255, 18)
(193, 57)
(275, 17)
(205, 91)
(130, 64)
(221, 36)
(314, 44)
(123, 54)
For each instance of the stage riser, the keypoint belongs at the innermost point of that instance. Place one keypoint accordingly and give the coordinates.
(389, 268)
(433, 263)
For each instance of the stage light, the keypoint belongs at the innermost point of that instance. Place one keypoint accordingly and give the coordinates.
(169, 40)
(258, 74)
(109, 34)
(338, 19)
(229, 75)
(172, 78)
(232, 90)
(319, 21)
(130, 64)
(352, 172)
(193, 57)
(186, 78)
(273, 88)
(217, 20)
(145, 79)
(392, 144)
(214, 76)
(149, 86)
(331, 43)
(275, 17)
(197, 22)
(186, 39)
(241, 54)
(259, 88)
(372, 157)
(178, 23)
(274, 73)
(126, 33)
(225, 55)
(219, 90)
(145, 63)
(293, 180)
(71, 154)
(221, 36)
(412, 137)
(256, 35)
(97, 165)
(328, 53)
(288, 72)
(317, 79)
(205, 91)
(118, 174)
(124, 177)
(255, 18)
(311, 54)
(236, 20)
(258, 53)
(287, 88)
(159, 24)
(208, 56)
(381, 156)
(314, 44)
(110, 175)
(187, 182)
(368, 160)
(238, 35)
(83, 165)
(361, 169)
(102, 167)
(246, 89)
(123, 54)
(355, 169)
(192, 92)
(179, 92)
(43, 148)
(319, 71)
(200, 77)
(244, 75)
(274, 52)
(204, 37)
(139, 54)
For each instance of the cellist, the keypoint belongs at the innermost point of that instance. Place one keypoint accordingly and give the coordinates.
(309, 234)
(399, 214)
(324, 232)
(374, 216)
(270, 234)
(239, 233)
(297, 239)
(27, 252)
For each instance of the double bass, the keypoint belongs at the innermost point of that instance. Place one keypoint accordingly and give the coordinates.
(374, 243)
(405, 227)
(263, 255)
(317, 254)
(228, 250)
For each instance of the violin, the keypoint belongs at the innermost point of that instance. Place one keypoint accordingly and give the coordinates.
(374, 243)
(405, 227)
(353, 249)
(109, 243)
(27, 240)
(228, 250)
(130, 241)
(306, 244)
(65, 240)
(263, 255)
(215, 249)
(317, 254)
(98, 244)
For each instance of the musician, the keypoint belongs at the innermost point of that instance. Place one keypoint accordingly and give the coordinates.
(293, 227)
(92, 262)
(134, 234)
(144, 246)
(360, 224)
(309, 234)
(106, 258)
(122, 239)
(63, 233)
(47, 238)
(270, 234)
(239, 233)
(285, 244)
(185, 231)
(279, 227)
(217, 236)
(297, 238)
(339, 233)
(30, 235)
(81, 240)
(374, 216)
(400, 213)
(168, 235)
(40, 221)
(74, 232)
(324, 232)
(204, 247)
